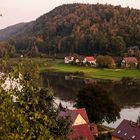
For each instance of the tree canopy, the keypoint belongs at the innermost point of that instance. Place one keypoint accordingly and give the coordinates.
(85, 29)
(28, 111)
(99, 106)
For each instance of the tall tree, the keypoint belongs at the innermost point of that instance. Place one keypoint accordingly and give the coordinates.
(99, 106)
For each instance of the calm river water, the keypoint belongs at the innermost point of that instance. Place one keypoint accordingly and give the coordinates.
(66, 88)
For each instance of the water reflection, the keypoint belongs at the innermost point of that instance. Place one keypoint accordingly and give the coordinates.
(66, 88)
(126, 113)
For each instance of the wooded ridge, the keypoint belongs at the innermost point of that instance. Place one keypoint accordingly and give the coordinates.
(84, 29)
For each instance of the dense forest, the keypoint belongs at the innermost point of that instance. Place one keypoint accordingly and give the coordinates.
(84, 29)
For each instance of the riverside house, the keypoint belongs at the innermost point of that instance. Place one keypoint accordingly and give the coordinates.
(68, 59)
(89, 59)
(127, 130)
(129, 62)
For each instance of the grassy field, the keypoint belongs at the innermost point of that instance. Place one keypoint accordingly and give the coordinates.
(60, 66)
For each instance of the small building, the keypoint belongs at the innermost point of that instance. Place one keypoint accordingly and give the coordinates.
(68, 59)
(129, 62)
(89, 59)
(80, 124)
(127, 130)
(79, 60)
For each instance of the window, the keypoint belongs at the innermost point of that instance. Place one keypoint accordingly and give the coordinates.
(119, 131)
(133, 137)
(125, 134)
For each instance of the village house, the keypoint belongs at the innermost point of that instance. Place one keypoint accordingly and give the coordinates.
(68, 59)
(129, 62)
(80, 124)
(127, 130)
(90, 60)
(79, 60)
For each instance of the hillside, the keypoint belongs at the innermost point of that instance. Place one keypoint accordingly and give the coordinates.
(15, 31)
(80, 28)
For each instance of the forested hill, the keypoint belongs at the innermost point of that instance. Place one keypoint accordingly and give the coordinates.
(15, 31)
(83, 29)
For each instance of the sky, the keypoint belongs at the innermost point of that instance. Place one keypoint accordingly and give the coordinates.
(17, 11)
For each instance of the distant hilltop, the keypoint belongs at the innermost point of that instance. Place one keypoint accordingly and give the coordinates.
(79, 28)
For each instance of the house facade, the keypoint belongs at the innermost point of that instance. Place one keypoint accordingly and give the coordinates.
(68, 59)
(129, 62)
(127, 130)
(89, 59)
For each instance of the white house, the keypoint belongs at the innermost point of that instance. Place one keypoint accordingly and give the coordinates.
(68, 59)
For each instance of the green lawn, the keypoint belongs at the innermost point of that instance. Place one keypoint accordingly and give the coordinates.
(59, 66)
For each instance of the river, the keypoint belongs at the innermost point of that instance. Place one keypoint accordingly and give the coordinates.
(66, 88)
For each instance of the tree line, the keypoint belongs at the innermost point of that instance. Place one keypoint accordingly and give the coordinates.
(84, 29)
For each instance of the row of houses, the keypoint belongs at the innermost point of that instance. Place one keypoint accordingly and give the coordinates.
(125, 62)
(80, 59)
(82, 129)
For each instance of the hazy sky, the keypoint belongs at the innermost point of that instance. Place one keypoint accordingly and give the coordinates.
(16, 11)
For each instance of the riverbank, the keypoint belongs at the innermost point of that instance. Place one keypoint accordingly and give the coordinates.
(58, 65)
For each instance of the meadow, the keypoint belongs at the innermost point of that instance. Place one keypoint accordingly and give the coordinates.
(58, 65)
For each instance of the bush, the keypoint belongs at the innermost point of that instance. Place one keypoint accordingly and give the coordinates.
(105, 61)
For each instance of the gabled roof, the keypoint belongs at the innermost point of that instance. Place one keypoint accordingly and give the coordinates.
(74, 113)
(89, 58)
(83, 113)
(130, 60)
(81, 131)
(127, 130)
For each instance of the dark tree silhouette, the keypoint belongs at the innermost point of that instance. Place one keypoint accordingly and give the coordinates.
(99, 106)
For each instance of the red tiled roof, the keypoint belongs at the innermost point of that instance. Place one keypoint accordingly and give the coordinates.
(81, 131)
(127, 130)
(130, 60)
(89, 58)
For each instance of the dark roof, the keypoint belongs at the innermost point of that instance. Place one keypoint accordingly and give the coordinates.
(127, 130)
(74, 113)
(80, 58)
(81, 131)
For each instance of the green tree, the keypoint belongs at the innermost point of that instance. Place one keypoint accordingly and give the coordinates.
(105, 61)
(28, 111)
(118, 46)
(99, 106)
